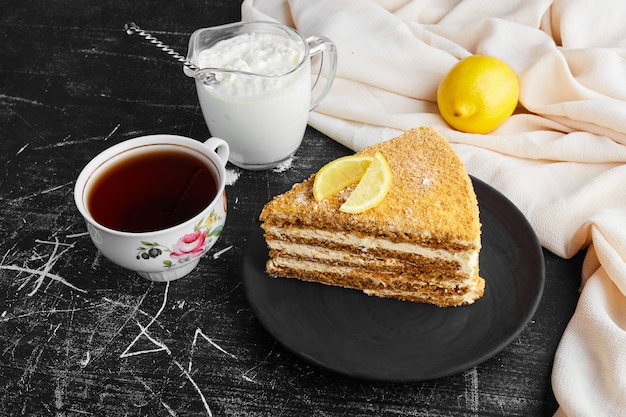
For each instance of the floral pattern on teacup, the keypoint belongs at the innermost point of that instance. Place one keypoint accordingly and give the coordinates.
(188, 246)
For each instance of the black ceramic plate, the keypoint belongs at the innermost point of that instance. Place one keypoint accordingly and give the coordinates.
(388, 340)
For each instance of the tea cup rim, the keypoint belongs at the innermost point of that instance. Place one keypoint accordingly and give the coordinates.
(133, 143)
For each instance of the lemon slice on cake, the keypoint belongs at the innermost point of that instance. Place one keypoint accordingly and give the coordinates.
(372, 188)
(339, 174)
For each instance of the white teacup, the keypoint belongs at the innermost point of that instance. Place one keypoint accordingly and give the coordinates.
(147, 211)
(256, 89)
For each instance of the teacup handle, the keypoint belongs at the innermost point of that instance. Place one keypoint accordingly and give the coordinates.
(317, 45)
(220, 147)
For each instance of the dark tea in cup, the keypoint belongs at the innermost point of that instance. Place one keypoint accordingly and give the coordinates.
(153, 189)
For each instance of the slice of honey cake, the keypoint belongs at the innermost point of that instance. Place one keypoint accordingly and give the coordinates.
(420, 243)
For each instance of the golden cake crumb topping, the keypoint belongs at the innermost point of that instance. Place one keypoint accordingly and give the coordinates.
(430, 200)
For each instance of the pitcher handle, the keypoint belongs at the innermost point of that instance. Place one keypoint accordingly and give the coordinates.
(325, 47)
(220, 147)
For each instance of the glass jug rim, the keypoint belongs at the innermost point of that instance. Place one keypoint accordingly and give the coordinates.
(194, 50)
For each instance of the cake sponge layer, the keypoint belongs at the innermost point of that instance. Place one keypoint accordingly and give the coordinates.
(386, 285)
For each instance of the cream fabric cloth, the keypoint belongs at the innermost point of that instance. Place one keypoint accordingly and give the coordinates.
(560, 158)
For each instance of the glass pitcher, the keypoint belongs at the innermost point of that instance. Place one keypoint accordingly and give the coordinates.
(256, 88)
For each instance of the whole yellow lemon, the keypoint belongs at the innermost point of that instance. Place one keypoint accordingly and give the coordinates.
(478, 94)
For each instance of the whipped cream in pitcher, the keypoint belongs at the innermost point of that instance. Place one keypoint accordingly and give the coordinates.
(255, 53)
(261, 95)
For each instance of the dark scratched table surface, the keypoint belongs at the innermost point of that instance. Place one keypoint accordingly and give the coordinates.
(80, 336)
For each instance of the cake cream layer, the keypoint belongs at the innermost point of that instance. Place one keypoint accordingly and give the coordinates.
(378, 284)
(348, 247)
